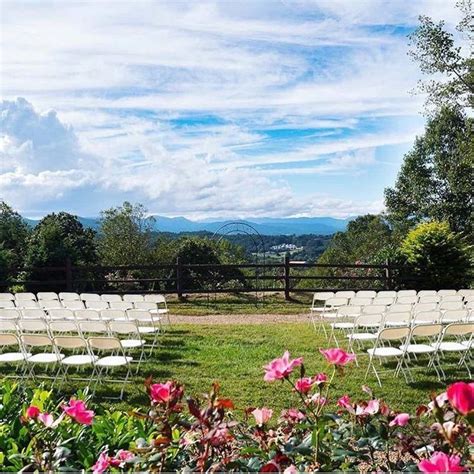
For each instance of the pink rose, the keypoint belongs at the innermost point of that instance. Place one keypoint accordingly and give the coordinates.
(293, 415)
(401, 419)
(461, 397)
(317, 399)
(279, 369)
(102, 464)
(337, 356)
(441, 463)
(372, 407)
(262, 415)
(291, 470)
(320, 378)
(345, 402)
(78, 411)
(32, 411)
(304, 385)
(162, 392)
(46, 419)
(121, 457)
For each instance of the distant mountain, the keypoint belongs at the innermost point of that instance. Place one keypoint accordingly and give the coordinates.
(263, 225)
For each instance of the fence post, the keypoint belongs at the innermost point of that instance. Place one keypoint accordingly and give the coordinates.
(68, 269)
(179, 269)
(287, 277)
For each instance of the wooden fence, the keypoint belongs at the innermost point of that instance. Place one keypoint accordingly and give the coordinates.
(179, 278)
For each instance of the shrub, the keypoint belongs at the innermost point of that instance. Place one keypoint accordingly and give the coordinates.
(178, 434)
(437, 255)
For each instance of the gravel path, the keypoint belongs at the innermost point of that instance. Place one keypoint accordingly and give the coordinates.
(240, 319)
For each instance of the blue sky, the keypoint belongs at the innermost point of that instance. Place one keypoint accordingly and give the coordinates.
(208, 109)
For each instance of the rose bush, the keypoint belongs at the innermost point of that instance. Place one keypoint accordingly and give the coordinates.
(176, 433)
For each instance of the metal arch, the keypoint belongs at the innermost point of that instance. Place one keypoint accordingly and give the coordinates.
(239, 227)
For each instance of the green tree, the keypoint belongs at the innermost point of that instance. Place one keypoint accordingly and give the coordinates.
(438, 256)
(13, 234)
(54, 239)
(437, 53)
(125, 236)
(435, 181)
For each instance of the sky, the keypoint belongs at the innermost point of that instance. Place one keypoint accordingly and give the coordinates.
(226, 109)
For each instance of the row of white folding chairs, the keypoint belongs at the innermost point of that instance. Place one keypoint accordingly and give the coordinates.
(77, 304)
(402, 342)
(71, 296)
(34, 350)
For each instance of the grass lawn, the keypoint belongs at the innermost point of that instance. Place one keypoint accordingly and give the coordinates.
(197, 355)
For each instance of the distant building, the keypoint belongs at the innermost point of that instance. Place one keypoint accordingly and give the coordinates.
(279, 248)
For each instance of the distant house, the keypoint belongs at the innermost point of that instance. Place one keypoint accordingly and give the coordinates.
(283, 247)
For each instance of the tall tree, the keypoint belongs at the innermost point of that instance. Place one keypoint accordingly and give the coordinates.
(13, 234)
(125, 236)
(437, 53)
(435, 181)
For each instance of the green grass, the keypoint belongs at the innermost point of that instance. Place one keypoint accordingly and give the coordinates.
(198, 355)
(239, 303)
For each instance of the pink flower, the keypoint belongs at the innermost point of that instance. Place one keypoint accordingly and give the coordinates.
(440, 400)
(337, 356)
(102, 464)
(441, 463)
(162, 392)
(78, 411)
(461, 396)
(293, 415)
(32, 411)
(320, 378)
(304, 385)
(291, 470)
(220, 436)
(279, 369)
(121, 457)
(46, 419)
(372, 407)
(317, 399)
(262, 415)
(345, 402)
(401, 419)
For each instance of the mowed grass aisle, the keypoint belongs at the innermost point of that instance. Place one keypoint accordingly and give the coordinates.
(233, 355)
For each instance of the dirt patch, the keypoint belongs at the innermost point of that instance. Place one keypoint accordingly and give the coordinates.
(240, 319)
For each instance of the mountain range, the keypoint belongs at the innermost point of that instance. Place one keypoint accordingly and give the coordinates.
(263, 225)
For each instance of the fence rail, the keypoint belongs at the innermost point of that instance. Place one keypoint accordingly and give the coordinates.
(180, 278)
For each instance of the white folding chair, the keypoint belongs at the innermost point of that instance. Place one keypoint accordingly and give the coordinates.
(87, 328)
(123, 305)
(111, 298)
(426, 317)
(358, 301)
(116, 359)
(73, 304)
(89, 314)
(374, 309)
(9, 356)
(9, 313)
(344, 294)
(401, 319)
(429, 299)
(466, 292)
(162, 306)
(400, 308)
(366, 327)
(423, 293)
(113, 315)
(25, 304)
(366, 294)
(386, 294)
(80, 357)
(443, 293)
(407, 299)
(414, 348)
(147, 305)
(133, 340)
(69, 296)
(7, 304)
(90, 297)
(25, 296)
(424, 307)
(383, 300)
(343, 320)
(451, 305)
(96, 305)
(454, 316)
(147, 324)
(456, 338)
(452, 298)
(133, 298)
(8, 325)
(45, 358)
(33, 326)
(60, 313)
(318, 299)
(385, 352)
(33, 313)
(406, 293)
(50, 304)
(47, 295)
(6, 296)
(330, 307)
(59, 327)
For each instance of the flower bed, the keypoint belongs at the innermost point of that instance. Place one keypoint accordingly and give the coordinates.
(176, 433)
